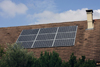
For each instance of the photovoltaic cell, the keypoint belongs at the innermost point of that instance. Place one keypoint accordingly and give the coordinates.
(48, 30)
(43, 44)
(65, 35)
(25, 44)
(30, 31)
(67, 42)
(45, 36)
(26, 38)
(48, 37)
(67, 29)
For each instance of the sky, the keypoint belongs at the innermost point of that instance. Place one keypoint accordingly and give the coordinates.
(33, 12)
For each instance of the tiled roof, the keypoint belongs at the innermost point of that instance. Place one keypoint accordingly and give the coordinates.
(87, 41)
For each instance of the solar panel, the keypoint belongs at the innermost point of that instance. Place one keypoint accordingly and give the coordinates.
(48, 37)
(27, 38)
(64, 42)
(43, 44)
(67, 29)
(25, 44)
(65, 35)
(45, 36)
(30, 31)
(48, 30)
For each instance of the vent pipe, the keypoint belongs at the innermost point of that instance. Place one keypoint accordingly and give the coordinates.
(90, 24)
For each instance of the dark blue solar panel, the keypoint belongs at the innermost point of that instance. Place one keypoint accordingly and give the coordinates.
(45, 36)
(30, 31)
(67, 42)
(48, 30)
(25, 44)
(65, 35)
(26, 38)
(67, 28)
(43, 44)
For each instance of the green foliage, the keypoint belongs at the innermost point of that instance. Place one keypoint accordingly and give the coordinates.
(1, 51)
(81, 62)
(65, 64)
(1, 54)
(72, 60)
(16, 56)
(49, 60)
(53, 60)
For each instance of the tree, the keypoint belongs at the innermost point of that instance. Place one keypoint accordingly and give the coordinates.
(16, 56)
(49, 60)
(1, 51)
(72, 60)
(81, 62)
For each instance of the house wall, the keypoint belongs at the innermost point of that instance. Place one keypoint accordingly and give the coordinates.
(87, 41)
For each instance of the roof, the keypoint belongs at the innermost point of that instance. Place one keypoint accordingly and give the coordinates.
(87, 41)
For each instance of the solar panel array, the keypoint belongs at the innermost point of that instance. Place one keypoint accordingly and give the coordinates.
(48, 37)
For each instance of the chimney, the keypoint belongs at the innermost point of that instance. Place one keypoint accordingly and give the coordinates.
(90, 24)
